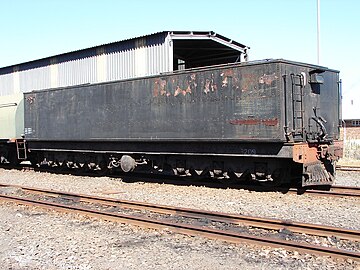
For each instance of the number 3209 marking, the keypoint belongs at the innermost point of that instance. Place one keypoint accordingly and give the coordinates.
(248, 151)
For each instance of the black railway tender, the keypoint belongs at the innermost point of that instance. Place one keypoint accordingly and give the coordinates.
(270, 121)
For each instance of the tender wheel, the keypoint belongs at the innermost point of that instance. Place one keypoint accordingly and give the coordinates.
(102, 168)
(13, 160)
(277, 178)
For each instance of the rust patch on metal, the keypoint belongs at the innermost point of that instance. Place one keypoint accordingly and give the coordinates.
(159, 88)
(178, 91)
(245, 122)
(248, 82)
(305, 153)
(229, 73)
(270, 122)
(309, 153)
(30, 99)
(210, 85)
(252, 121)
(267, 79)
(190, 85)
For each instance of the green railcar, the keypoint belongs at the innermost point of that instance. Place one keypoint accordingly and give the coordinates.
(12, 147)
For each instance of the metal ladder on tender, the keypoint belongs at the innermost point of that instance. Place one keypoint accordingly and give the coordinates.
(297, 90)
(21, 149)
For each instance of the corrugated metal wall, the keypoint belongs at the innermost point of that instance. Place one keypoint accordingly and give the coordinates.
(7, 84)
(148, 58)
(139, 57)
(79, 71)
(38, 78)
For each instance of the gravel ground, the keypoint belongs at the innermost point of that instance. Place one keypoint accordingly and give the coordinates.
(36, 239)
(344, 212)
(347, 178)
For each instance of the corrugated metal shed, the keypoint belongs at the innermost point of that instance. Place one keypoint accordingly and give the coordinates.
(142, 56)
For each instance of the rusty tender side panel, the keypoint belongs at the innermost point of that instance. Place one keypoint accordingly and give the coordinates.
(232, 102)
(227, 103)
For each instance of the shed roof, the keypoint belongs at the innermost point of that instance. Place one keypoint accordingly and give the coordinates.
(204, 43)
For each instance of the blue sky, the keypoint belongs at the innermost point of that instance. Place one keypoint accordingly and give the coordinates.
(32, 29)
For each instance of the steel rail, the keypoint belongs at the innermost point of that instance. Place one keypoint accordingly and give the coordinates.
(258, 222)
(190, 229)
(350, 188)
(354, 168)
(336, 191)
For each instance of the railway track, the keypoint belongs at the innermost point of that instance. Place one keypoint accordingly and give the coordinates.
(69, 202)
(348, 168)
(334, 191)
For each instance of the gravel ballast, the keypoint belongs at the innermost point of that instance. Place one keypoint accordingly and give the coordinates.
(341, 212)
(37, 239)
(348, 178)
